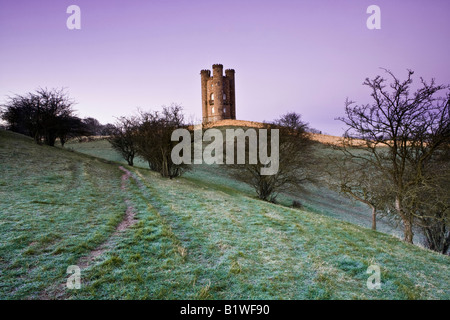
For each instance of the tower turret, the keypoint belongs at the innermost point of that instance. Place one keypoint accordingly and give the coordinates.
(218, 94)
(206, 76)
(217, 71)
(229, 73)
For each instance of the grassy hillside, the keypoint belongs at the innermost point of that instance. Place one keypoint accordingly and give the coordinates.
(187, 238)
(314, 197)
(55, 206)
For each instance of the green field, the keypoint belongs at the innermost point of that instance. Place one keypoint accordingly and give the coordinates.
(203, 236)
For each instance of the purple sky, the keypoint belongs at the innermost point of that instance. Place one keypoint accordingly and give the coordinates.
(304, 56)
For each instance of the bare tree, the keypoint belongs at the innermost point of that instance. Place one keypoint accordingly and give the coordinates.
(40, 115)
(294, 158)
(93, 125)
(108, 129)
(431, 197)
(402, 133)
(352, 178)
(154, 142)
(123, 137)
(71, 127)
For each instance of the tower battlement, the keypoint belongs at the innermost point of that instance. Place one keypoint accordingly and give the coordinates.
(218, 94)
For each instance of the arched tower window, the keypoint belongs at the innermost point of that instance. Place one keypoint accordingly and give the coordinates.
(212, 110)
(224, 96)
(212, 96)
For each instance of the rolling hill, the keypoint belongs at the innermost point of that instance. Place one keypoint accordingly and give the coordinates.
(136, 235)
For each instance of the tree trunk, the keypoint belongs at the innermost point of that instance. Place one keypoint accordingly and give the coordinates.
(408, 231)
(407, 224)
(130, 160)
(374, 218)
(437, 236)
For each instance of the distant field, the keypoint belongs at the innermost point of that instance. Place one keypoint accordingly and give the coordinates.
(190, 238)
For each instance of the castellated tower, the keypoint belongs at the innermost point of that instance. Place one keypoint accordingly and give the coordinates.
(218, 95)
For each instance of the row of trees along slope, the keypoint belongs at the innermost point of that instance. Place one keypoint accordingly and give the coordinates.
(46, 115)
(149, 135)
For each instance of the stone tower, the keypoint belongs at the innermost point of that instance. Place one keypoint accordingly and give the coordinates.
(218, 95)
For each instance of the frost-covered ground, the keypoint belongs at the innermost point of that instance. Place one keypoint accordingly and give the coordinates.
(198, 237)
